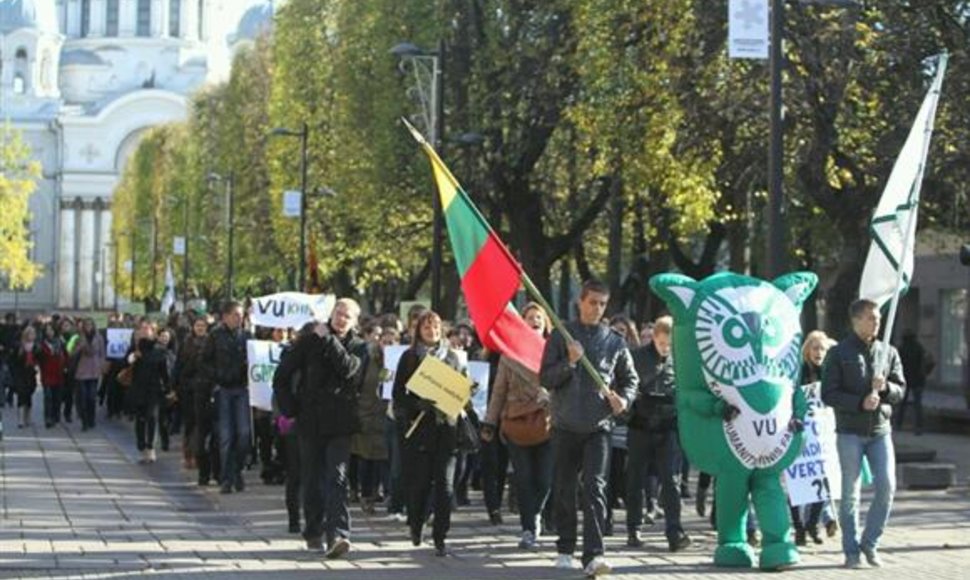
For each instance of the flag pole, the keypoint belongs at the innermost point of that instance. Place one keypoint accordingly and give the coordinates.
(526, 281)
(911, 222)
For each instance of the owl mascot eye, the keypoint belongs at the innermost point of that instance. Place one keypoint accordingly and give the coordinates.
(736, 344)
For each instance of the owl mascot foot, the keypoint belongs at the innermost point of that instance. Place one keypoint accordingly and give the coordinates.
(737, 358)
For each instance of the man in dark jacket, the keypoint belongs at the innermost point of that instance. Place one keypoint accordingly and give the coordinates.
(332, 360)
(582, 418)
(225, 355)
(652, 438)
(862, 378)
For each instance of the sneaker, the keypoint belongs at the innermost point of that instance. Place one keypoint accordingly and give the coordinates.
(495, 518)
(633, 539)
(598, 566)
(565, 562)
(152, 458)
(440, 550)
(528, 540)
(754, 538)
(872, 557)
(832, 528)
(314, 544)
(650, 518)
(681, 542)
(800, 538)
(144, 457)
(853, 562)
(338, 549)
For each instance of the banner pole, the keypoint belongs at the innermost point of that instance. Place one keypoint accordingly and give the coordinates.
(414, 425)
(558, 323)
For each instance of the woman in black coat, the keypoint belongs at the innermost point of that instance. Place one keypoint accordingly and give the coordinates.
(429, 453)
(149, 385)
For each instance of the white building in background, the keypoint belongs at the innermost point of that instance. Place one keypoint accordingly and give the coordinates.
(83, 80)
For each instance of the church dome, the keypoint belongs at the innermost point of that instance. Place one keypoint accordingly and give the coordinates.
(38, 14)
(254, 22)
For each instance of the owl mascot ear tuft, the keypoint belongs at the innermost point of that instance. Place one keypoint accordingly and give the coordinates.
(798, 286)
(676, 290)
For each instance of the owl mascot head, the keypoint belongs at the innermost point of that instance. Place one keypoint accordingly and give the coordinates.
(736, 351)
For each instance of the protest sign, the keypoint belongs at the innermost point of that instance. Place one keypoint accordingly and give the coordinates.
(392, 356)
(816, 476)
(262, 356)
(291, 309)
(119, 340)
(444, 386)
(479, 371)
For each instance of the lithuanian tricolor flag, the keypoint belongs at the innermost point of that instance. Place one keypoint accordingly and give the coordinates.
(490, 276)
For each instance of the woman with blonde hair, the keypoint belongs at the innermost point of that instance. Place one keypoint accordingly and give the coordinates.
(814, 348)
(520, 406)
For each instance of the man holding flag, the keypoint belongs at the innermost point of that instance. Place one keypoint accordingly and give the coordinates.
(862, 377)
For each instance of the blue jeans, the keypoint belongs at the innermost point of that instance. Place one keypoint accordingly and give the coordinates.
(87, 399)
(882, 460)
(533, 480)
(232, 412)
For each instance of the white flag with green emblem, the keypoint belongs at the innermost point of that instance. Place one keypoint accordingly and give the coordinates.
(893, 225)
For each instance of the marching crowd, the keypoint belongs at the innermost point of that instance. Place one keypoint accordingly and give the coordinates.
(335, 438)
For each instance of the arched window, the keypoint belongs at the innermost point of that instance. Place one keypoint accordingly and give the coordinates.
(144, 23)
(85, 18)
(174, 18)
(20, 71)
(111, 18)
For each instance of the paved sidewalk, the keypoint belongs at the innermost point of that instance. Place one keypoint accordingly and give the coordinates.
(76, 505)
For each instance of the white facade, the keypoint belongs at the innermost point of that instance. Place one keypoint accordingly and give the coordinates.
(83, 80)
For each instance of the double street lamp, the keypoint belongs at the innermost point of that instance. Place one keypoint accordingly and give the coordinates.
(426, 69)
(304, 135)
(229, 180)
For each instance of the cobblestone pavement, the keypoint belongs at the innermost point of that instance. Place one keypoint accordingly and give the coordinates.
(77, 505)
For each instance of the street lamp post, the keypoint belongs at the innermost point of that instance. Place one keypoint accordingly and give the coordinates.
(427, 69)
(185, 251)
(775, 249)
(775, 240)
(230, 223)
(304, 135)
(132, 235)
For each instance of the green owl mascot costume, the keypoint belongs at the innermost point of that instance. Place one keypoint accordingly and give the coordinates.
(737, 358)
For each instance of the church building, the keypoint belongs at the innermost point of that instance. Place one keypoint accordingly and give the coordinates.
(83, 80)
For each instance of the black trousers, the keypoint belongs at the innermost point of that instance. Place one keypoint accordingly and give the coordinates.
(291, 452)
(205, 442)
(660, 450)
(495, 465)
(590, 453)
(146, 420)
(323, 479)
(431, 465)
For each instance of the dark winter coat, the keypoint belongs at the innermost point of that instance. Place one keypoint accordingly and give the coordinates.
(434, 426)
(225, 358)
(847, 374)
(325, 405)
(150, 376)
(578, 406)
(655, 407)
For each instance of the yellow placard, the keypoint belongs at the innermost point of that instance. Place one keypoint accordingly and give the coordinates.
(444, 386)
